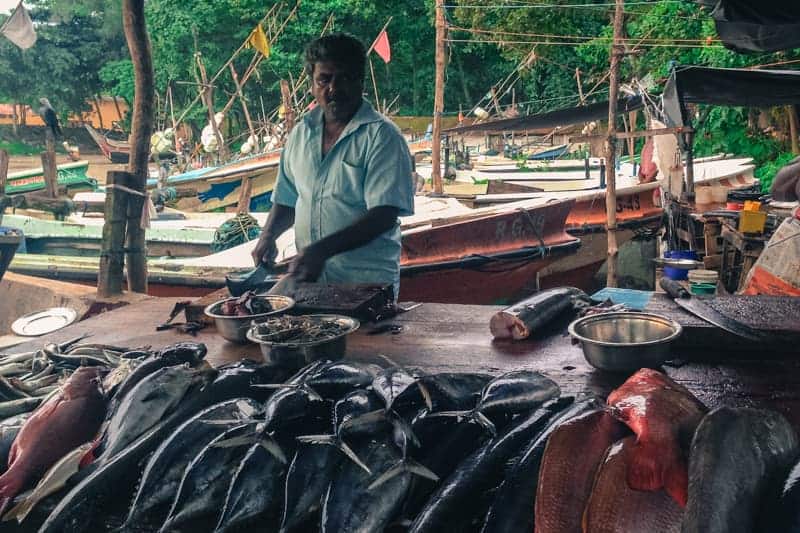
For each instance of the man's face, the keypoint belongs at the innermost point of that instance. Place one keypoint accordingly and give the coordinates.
(337, 91)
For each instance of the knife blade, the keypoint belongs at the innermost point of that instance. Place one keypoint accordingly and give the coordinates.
(702, 310)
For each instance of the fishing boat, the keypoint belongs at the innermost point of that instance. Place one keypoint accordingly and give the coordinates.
(71, 176)
(116, 151)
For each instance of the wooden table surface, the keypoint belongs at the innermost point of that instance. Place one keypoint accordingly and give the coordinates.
(439, 337)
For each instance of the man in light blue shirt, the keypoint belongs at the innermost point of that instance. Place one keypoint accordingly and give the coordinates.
(344, 178)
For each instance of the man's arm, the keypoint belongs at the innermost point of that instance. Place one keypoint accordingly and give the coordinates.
(280, 219)
(308, 264)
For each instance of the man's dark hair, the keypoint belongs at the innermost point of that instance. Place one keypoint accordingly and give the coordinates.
(340, 48)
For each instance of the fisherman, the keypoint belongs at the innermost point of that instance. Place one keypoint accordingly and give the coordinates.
(344, 178)
(49, 116)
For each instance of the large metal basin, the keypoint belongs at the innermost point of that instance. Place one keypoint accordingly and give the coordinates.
(623, 342)
(234, 328)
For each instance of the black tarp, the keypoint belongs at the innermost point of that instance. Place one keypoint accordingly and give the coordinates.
(553, 119)
(727, 87)
(756, 25)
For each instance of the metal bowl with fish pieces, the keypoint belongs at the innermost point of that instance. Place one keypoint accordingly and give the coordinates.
(295, 341)
(625, 341)
(234, 328)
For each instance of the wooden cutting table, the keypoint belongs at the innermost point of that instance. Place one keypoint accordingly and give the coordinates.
(444, 337)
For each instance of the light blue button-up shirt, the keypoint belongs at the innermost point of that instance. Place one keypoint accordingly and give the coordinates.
(369, 166)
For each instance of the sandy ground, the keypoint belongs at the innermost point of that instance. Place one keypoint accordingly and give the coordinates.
(98, 164)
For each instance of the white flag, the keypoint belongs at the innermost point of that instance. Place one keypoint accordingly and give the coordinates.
(19, 28)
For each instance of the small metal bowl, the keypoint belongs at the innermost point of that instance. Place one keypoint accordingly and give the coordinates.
(234, 328)
(299, 354)
(623, 342)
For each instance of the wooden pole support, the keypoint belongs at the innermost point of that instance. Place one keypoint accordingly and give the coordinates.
(790, 110)
(112, 252)
(50, 173)
(3, 171)
(438, 101)
(288, 108)
(610, 145)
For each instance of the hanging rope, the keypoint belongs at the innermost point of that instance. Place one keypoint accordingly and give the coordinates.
(238, 230)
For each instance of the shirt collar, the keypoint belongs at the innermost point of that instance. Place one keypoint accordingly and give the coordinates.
(366, 114)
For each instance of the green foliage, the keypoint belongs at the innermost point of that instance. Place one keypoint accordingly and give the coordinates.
(19, 148)
(766, 172)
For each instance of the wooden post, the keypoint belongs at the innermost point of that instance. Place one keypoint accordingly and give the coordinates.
(632, 116)
(689, 138)
(14, 119)
(244, 107)
(142, 128)
(611, 141)
(50, 173)
(288, 108)
(208, 98)
(438, 101)
(245, 193)
(99, 112)
(3, 172)
(374, 85)
(119, 111)
(112, 253)
(580, 87)
(790, 109)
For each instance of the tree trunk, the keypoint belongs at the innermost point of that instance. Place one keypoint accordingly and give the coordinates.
(141, 129)
(792, 112)
(112, 254)
(99, 112)
(14, 119)
(3, 173)
(438, 101)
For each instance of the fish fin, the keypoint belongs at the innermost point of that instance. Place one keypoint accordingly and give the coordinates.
(345, 449)
(388, 360)
(222, 422)
(233, 442)
(269, 443)
(418, 469)
(330, 440)
(644, 468)
(393, 471)
(484, 421)
(405, 428)
(311, 392)
(426, 394)
(376, 415)
(676, 482)
(275, 386)
(456, 414)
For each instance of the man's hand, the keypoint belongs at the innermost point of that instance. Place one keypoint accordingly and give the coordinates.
(307, 265)
(265, 251)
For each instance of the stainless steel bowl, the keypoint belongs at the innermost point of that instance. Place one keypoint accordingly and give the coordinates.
(234, 328)
(299, 354)
(622, 342)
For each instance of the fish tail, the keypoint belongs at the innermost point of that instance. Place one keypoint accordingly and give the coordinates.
(645, 468)
(345, 449)
(272, 446)
(404, 466)
(404, 427)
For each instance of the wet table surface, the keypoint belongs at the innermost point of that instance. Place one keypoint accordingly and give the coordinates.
(440, 337)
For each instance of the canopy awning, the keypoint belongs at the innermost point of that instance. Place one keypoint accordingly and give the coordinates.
(728, 87)
(763, 26)
(552, 119)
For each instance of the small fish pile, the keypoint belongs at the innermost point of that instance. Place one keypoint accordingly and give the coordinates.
(299, 329)
(247, 304)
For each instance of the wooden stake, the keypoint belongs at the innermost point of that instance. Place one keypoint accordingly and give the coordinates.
(133, 22)
(50, 172)
(438, 101)
(580, 87)
(244, 107)
(611, 174)
(631, 128)
(112, 252)
(208, 99)
(374, 85)
(288, 108)
(3, 178)
(793, 128)
(245, 193)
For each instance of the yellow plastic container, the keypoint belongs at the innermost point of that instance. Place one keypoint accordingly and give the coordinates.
(751, 219)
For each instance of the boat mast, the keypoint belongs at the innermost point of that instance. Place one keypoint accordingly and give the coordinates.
(438, 100)
(611, 143)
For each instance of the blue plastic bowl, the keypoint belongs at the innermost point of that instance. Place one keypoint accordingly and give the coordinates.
(678, 273)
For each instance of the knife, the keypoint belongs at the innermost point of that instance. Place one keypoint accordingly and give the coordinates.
(702, 310)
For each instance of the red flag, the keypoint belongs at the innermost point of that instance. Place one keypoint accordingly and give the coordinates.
(381, 46)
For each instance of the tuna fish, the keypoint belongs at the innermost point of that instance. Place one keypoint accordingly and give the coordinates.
(334, 380)
(523, 318)
(615, 507)
(573, 453)
(255, 494)
(739, 459)
(309, 475)
(787, 512)
(68, 419)
(514, 501)
(463, 498)
(664, 415)
(164, 470)
(146, 404)
(205, 481)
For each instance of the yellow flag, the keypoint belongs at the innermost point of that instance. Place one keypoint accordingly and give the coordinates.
(258, 40)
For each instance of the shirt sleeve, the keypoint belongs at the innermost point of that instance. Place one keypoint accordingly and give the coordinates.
(388, 180)
(285, 192)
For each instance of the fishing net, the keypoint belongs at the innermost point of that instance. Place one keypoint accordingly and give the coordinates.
(240, 229)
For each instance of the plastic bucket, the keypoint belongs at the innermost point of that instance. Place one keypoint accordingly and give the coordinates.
(678, 273)
(703, 288)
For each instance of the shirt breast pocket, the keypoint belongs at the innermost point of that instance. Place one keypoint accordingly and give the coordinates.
(348, 187)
